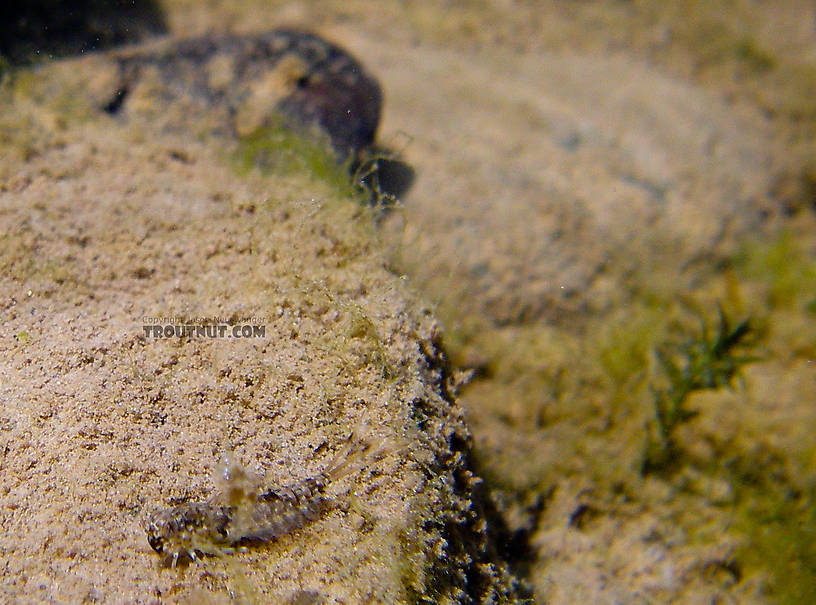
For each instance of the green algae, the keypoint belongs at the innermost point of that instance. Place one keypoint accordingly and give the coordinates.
(278, 150)
(784, 267)
(775, 512)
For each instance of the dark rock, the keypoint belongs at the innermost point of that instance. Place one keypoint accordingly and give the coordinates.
(44, 28)
(283, 77)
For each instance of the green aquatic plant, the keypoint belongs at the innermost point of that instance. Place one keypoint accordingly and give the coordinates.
(704, 361)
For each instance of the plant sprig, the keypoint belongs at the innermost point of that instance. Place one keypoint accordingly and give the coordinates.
(703, 362)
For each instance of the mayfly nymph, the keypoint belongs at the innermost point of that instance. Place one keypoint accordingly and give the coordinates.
(247, 516)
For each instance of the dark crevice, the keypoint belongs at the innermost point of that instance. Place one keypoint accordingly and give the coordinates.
(115, 104)
(498, 558)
